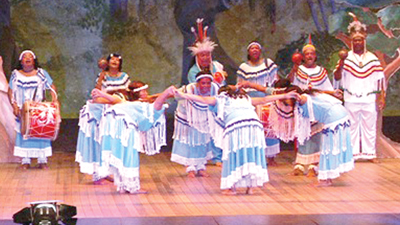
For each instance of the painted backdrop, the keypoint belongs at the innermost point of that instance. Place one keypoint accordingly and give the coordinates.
(152, 36)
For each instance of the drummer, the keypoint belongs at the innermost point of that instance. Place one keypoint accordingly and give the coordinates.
(28, 82)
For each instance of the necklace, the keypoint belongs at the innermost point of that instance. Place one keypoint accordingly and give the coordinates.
(359, 58)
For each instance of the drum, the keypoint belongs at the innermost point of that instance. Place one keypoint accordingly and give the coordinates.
(263, 113)
(40, 120)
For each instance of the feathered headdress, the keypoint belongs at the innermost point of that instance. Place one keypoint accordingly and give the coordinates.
(202, 43)
(356, 28)
(309, 45)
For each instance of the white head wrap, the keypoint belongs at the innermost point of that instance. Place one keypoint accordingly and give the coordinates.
(24, 52)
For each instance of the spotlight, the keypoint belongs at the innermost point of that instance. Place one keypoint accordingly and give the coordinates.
(46, 213)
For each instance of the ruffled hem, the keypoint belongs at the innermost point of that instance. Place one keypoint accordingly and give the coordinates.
(191, 161)
(32, 152)
(364, 156)
(119, 168)
(92, 168)
(248, 175)
(307, 159)
(272, 151)
(335, 173)
(127, 184)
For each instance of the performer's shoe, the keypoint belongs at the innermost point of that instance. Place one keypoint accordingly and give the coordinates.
(108, 178)
(323, 183)
(25, 166)
(249, 191)
(271, 161)
(375, 160)
(203, 173)
(191, 174)
(228, 192)
(43, 166)
(297, 172)
(99, 182)
(311, 172)
(140, 191)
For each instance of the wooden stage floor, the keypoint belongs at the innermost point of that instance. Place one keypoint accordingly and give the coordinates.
(367, 195)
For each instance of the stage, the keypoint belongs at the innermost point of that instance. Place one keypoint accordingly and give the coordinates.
(366, 195)
(369, 189)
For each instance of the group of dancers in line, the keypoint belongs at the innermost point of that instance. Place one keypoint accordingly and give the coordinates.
(219, 122)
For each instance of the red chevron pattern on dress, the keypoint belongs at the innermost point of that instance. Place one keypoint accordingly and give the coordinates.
(313, 77)
(364, 71)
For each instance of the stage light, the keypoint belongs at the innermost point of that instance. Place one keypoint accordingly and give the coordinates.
(46, 213)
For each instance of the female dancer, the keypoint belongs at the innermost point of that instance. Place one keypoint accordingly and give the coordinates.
(243, 141)
(125, 130)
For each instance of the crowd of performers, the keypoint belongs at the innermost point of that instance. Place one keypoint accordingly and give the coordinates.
(215, 121)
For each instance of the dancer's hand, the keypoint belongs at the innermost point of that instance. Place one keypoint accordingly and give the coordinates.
(96, 93)
(292, 94)
(244, 84)
(171, 90)
(16, 110)
(178, 94)
(338, 94)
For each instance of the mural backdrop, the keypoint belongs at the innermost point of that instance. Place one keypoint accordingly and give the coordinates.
(152, 36)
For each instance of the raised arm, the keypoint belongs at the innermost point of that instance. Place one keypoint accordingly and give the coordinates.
(337, 93)
(270, 98)
(104, 98)
(161, 98)
(339, 68)
(338, 71)
(100, 80)
(196, 98)
(292, 72)
(247, 84)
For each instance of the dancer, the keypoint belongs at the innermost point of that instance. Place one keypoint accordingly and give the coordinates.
(310, 75)
(88, 153)
(263, 72)
(290, 120)
(360, 74)
(243, 141)
(193, 144)
(28, 82)
(127, 129)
